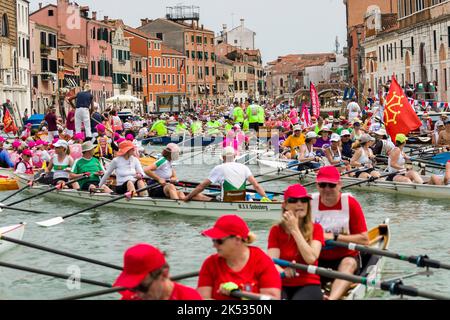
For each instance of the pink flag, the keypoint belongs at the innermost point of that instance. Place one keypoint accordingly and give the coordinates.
(315, 103)
(306, 117)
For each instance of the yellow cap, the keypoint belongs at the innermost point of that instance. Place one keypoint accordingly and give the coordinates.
(401, 138)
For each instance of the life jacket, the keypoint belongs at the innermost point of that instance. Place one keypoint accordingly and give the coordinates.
(103, 148)
(37, 160)
(28, 166)
(332, 220)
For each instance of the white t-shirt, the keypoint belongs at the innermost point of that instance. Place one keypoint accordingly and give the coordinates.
(353, 110)
(163, 168)
(21, 168)
(126, 170)
(230, 175)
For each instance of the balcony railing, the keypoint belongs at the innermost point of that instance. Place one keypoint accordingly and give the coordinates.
(45, 51)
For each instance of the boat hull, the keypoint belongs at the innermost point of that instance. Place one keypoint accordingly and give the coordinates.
(15, 232)
(247, 210)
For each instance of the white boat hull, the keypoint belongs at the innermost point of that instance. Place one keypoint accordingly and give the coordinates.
(409, 189)
(15, 232)
(247, 210)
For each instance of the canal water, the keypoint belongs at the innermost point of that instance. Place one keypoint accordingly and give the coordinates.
(418, 226)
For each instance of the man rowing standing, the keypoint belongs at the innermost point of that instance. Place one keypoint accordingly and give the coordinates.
(232, 177)
(342, 219)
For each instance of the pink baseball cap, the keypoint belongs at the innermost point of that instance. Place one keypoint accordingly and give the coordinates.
(16, 144)
(27, 152)
(100, 128)
(78, 136)
(129, 137)
(2, 139)
(31, 144)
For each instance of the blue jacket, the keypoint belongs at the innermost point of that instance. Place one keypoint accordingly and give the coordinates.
(5, 160)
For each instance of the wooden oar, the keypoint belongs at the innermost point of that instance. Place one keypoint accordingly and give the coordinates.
(395, 288)
(58, 252)
(372, 179)
(420, 261)
(118, 289)
(48, 190)
(188, 184)
(55, 221)
(53, 274)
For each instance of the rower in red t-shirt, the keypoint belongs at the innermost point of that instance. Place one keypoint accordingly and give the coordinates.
(296, 238)
(342, 219)
(236, 264)
(146, 275)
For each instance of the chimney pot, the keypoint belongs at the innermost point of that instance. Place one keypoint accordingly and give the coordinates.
(40, 5)
(94, 15)
(242, 22)
(106, 18)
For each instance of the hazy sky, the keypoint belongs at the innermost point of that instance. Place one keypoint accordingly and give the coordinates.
(282, 26)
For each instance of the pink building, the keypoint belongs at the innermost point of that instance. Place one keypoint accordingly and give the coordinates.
(76, 27)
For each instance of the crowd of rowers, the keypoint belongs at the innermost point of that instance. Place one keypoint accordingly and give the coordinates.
(306, 222)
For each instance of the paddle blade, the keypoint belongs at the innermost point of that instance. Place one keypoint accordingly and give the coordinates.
(50, 222)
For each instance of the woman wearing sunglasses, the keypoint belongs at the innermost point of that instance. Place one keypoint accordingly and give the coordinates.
(342, 219)
(236, 265)
(296, 238)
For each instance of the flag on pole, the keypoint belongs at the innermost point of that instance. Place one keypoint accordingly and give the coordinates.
(399, 116)
(306, 117)
(315, 103)
(8, 122)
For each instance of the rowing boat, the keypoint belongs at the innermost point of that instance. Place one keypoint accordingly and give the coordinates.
(383, 186)
(251, 210)
(199, 141)
(379, 238)
(15, 231)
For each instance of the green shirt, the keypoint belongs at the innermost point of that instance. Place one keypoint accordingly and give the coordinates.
(180, 128)
(160, 128)
(246, 126)
(92, 165)
(196, 127)
(213, 127)
(228, 127)
(238, 114)
(253, 113)
(261, 115)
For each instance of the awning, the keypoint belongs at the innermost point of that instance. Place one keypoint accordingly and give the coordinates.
(201, 89)
(207, 87)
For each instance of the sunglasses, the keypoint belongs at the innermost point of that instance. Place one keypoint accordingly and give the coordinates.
(297, 200)
(221, 241)
(323, 185)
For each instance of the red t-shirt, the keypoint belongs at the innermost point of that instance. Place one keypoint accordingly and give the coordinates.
(357, 224)
(70, 122)
(180, 292)
(279, 239)
(259, 272)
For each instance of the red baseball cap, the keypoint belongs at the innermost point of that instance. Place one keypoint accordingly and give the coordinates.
(328, 174)
(226, 226)
(296, 191)
(138, 262)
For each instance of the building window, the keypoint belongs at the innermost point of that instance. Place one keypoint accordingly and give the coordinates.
(150, 78)
(4, 26)
(392, 53)
(401, 49)
(173, 79)
(50, 13)
(187, 53)
(436, 76)
(445, 81)
(395, 50)
(164, 62)
(412, 45)
(206, 71)
(199, 39)
(192, 39)
(150, 61)
(434, 40)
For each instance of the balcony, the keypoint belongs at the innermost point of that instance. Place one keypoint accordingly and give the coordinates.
(48, 76)
(45, 51)
(122, 62)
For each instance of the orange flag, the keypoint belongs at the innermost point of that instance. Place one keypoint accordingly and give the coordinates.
(399, 115)
(8, 122)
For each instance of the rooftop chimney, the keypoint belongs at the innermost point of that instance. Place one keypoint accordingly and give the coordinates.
(106, 18)
(40, 5)
(242, 22)
(94, 15)
(224, 26)
(144, 21)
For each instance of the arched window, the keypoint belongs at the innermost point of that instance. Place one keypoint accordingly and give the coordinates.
(4, 26)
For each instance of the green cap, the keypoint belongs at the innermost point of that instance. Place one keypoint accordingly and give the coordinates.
(401, 138)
